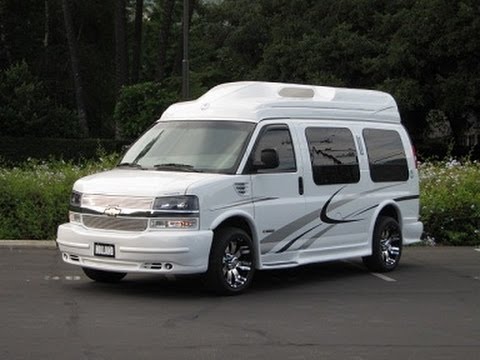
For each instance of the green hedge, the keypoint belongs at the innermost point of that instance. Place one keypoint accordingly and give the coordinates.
(450, 201)
(19, 149)
(34, 198)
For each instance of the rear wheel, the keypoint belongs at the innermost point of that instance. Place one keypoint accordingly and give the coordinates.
(104, 276)
(386, 245)
(232, 263)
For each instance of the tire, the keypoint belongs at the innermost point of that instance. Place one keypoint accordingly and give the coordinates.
(386, 245)
(231, 263)
(104, 276)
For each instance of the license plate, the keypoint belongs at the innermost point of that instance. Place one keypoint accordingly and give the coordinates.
(104, 250)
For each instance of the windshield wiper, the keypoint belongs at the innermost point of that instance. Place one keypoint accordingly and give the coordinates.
(176, 166)
(131, 165)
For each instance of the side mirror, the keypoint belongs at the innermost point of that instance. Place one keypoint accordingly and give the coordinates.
(268, 160)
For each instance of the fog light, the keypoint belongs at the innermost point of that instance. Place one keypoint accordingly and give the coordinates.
(75, 217)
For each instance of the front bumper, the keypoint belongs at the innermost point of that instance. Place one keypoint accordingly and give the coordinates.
(167, 252)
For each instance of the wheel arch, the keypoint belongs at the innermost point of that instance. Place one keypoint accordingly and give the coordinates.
(242, 221)
(387, 209)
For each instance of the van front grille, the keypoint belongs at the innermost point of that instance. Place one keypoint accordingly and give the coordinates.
(89, 200)
(114, 223)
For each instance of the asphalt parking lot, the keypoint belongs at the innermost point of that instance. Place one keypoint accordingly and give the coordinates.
(429, 308)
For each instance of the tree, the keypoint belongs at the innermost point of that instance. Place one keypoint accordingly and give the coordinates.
(164, 38)
(137, 41)
(27, 110)
(72, 45)
(121, 54)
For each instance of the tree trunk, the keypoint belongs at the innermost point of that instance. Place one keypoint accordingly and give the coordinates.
(137, 43)
(47, 25)
(164, 37)
(177, 63)
(121, 55)
(72, 46)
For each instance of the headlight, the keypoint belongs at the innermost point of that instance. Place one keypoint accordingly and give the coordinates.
(177, 204)
(176, 212)
(174, 223)
(76, 199)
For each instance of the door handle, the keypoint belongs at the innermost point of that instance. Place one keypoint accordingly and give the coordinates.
(300, 185)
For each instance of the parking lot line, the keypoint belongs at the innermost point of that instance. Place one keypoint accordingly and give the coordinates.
(383, 277)
(377, 275)
(477, 249)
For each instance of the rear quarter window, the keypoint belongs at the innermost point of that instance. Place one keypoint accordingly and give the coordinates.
(386, 155)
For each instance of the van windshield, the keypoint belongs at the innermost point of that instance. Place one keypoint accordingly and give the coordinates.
(191, 146)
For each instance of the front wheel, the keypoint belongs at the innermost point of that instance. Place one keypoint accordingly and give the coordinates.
(232, 262)
(386, 245)
(103, 276)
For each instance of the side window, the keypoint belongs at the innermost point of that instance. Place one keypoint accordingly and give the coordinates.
(333, 155)
(386, 155)
(276, 137)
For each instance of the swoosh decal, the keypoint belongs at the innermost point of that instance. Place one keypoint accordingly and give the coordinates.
(328, 220)
(405, 198)
(270, 241)
(290, 243)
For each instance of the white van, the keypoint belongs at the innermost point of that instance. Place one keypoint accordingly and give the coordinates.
(250, 176)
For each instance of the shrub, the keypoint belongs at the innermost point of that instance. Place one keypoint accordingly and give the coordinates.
(450, 201)
(35, 196)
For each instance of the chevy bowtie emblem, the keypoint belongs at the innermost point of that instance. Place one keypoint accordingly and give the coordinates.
(112, 211)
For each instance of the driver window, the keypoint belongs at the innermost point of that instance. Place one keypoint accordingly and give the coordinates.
(278, 138)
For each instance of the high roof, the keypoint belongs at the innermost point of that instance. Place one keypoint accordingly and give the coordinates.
(256, 101)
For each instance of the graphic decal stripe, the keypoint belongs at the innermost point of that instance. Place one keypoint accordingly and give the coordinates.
(328, 220)
(244, 202)
(270, 241)
(291, 242)
(405, 198)
(315, 237)
(325, 219)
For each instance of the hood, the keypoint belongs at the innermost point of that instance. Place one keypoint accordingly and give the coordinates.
(139, 182)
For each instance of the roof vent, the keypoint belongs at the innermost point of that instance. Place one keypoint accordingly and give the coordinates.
(296, 92)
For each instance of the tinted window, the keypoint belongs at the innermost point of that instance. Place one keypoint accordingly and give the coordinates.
(386, 155)
(276, 137)
(333, 156)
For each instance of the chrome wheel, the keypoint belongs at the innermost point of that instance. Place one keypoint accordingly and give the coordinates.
(386, 245)
(237, 263)
(232, 262)
(390, 242)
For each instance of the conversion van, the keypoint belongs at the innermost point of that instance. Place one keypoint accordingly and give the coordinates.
(252, 176)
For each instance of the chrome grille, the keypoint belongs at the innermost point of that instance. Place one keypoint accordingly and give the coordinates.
(115, 223)
(103, 201)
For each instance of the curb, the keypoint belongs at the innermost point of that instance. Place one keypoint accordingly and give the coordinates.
(36, 244)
